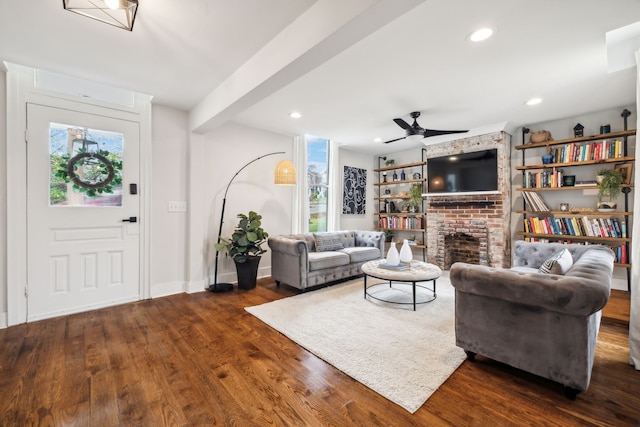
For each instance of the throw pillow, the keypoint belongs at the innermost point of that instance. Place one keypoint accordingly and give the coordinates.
(328, 243)
(560, 263)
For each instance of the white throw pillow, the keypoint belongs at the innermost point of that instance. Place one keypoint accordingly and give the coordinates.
(560, 263)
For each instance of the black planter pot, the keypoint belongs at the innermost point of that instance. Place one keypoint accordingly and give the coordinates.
(247, 272)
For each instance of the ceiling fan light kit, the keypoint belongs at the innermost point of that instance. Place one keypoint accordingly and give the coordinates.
(415, 132)
(119, 13)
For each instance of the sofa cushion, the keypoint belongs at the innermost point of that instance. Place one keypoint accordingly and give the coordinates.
(328, 259)
(361, 254)
(559, 263)
(328, 242)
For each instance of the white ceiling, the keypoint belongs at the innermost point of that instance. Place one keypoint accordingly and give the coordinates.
(369, 67)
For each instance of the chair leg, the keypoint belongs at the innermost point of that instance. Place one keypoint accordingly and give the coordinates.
(471, 356)
(570, 393)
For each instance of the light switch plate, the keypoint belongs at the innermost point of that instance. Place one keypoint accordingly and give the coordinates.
(177, 206)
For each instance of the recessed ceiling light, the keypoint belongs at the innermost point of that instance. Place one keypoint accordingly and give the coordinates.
(295, 115)
(377, 140)
(481, 34)
(534, 101)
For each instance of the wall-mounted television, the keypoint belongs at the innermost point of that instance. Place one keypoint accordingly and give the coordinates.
(461, 173)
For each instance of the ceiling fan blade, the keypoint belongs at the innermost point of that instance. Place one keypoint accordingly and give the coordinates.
(434, 132)
(394, 140)
(402, 123)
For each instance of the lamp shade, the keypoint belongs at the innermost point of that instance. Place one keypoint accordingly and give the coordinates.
(285, 173)
(119, 13)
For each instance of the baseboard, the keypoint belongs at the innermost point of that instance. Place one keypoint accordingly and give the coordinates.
(4, 320)
(168, 288)
(196, 286)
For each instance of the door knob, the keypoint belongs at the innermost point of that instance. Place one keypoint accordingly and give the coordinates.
(131, 219)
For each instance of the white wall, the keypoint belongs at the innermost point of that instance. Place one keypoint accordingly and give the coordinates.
(3, 199)
(563, 129)
(356, 222)
(169, 182)
(225, 151)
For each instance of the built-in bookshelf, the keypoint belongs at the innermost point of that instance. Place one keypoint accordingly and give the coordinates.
(395, 214)
(575, 225)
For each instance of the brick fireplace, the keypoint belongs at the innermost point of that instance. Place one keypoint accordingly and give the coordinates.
(473, 227)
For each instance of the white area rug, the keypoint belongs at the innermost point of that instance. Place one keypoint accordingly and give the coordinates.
(401, 354)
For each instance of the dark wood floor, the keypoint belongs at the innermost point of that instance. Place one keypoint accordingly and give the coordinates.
(202, 360)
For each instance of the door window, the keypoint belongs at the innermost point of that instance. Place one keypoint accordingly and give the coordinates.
(85, 166)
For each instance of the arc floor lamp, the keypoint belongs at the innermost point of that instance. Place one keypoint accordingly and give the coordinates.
(284, 174)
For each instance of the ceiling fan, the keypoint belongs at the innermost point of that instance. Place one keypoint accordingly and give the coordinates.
(415, 131)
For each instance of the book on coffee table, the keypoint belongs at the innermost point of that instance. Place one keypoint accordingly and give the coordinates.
(394, 267)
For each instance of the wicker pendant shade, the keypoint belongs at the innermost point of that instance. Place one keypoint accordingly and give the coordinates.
(285, 173)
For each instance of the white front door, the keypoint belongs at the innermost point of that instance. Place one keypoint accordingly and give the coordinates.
(82, 176)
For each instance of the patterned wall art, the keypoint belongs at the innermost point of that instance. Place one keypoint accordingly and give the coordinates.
(355, 188)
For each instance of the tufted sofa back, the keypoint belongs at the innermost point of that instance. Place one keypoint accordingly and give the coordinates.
(527, 254)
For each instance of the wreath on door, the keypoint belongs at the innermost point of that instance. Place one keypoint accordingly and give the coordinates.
(93, 173)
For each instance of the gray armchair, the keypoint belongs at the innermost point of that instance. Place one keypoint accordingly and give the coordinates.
(545, 324)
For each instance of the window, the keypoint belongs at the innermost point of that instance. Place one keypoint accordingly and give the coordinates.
(85, 166)
(318, 181)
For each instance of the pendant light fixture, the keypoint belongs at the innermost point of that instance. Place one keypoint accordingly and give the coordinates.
(119, 13)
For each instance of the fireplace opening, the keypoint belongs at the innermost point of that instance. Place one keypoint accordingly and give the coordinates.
(461, 247)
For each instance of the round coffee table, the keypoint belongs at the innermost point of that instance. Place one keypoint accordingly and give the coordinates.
(418, 272)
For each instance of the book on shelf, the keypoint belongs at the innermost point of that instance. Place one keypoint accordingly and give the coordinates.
(576, 226)
(535, 201)
(400, 222)
(582, 152)
(544, 179)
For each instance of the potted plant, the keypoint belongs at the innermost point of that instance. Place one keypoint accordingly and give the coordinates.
(600, 175)
(415, 197)
(609, 189)
(390, 162)
(388, 235)
(245, 247)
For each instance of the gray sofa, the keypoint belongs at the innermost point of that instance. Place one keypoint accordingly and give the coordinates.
(312, 259)
(545, 324)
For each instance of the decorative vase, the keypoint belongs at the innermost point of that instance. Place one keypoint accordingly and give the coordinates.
(405, 253)
(607, 205)
(393, 257)
(247, 272)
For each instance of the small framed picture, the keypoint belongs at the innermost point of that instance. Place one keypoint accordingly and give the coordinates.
(626, 169)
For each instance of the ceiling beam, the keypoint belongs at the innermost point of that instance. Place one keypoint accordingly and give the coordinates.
(326, 29)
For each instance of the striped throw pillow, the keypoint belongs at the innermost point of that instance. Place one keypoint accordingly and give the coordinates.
(559, 263)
